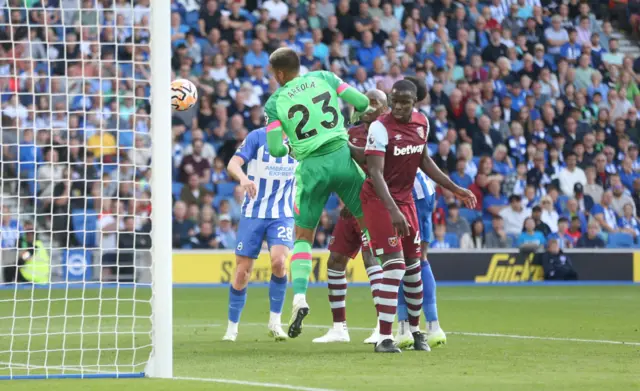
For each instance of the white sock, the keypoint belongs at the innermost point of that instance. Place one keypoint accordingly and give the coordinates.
(383, 337)
(403, 326)
(413, 329)
(433, 326)
(232, 328)
(274, 318)
(340, 325)
(299, 297)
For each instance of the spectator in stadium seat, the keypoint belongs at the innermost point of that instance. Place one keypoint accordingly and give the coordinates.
(540, 175)
(549, 215)
(621, 196)
(556, 264)
(225, 232)
(477, 239)
(459, 177)
(536, 215)
(591, 239)
(439, 241)
(530, 237)
(195, 163)
(445, 159)
(182, 228)
(494, 202)
(604, 213)
(486, 139)
(571, 174)
(593, 188)
(368, 51)
(208, 152)
(497, 237)
(193, 193)
(456, 224)
(205, 238)
(514, 215)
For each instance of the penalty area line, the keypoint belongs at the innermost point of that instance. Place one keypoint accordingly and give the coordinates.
(252, 384)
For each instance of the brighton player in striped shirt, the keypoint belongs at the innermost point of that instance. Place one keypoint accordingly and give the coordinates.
(267, 214)
(424, 196)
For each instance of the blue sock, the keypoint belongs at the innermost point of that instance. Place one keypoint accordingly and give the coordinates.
(429, 306)
(277, 291)
(237, 298)
(403, 313)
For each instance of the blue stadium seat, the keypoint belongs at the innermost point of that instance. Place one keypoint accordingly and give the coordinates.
(84, 225)
(225, 189)
(452, 239)
(620, 240)
(209, 187)
(514, 239)
(476, 160)
(469, 214)
(176, 189)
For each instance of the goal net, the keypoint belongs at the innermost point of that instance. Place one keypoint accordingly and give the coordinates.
(81, 264)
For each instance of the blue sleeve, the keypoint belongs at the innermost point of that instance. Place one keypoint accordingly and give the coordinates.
(520, 240)
(597, 209)
(564, 49)
(249, 146)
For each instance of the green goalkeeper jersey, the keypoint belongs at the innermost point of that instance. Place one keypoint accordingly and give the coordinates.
(307, 110)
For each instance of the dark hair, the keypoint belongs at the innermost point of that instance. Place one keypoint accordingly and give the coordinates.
(421, 87)
(405, 86)
(564, 220)
(285, 59)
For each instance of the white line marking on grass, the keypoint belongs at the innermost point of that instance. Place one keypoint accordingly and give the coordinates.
(465, 333)
(253, 384)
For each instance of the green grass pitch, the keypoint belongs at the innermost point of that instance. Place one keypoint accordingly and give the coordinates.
(566, 318)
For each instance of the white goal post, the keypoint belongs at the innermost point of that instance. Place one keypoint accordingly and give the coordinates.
(85, 189)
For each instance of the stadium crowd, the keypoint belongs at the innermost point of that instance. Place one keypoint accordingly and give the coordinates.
(531, 103)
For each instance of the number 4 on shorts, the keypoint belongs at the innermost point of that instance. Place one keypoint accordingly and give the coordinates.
(416, 240)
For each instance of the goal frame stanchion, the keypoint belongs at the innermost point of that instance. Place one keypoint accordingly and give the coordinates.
(160, 364)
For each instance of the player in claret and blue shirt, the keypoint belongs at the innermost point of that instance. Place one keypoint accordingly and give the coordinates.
(267, 214)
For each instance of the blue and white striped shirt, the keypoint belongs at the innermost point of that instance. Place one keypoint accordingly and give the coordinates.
(423, 186)
(274, 177)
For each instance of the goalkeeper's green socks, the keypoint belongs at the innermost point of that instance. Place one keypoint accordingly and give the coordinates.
(301, 266)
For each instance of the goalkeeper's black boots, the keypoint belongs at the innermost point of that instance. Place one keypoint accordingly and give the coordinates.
(387, 346)
(420, 342)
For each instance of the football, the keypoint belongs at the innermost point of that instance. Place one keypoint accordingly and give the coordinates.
(184, 94)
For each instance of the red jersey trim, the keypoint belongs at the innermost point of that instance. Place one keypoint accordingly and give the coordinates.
(376, 153)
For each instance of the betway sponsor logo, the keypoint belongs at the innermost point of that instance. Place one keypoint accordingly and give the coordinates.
(408, 150)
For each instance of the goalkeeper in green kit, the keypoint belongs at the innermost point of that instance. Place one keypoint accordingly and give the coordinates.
(306, 109)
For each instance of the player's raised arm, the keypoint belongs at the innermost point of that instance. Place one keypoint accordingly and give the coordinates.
(374, 152)
(433, 171)
(346, 92)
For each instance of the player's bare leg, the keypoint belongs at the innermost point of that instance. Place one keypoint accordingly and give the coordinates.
(238, 295)
(300, 271)
(337, 267)
(277, 290)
